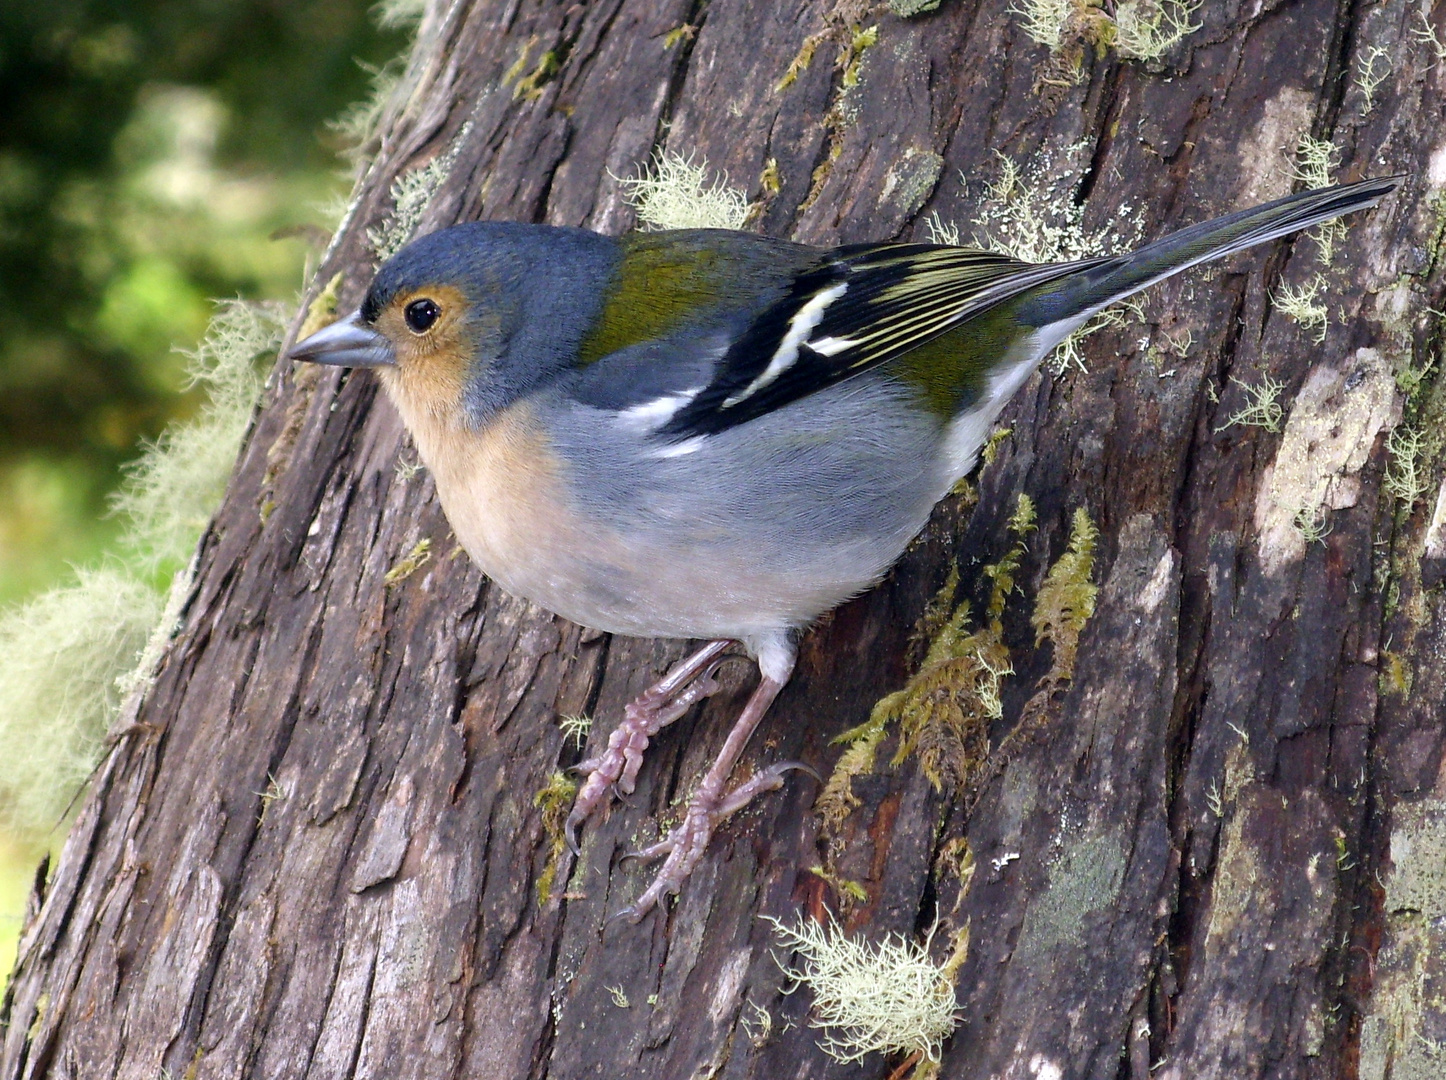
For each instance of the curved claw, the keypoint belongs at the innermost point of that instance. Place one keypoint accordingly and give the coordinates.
(569, 833)
(585, 767)
(631, 913)
(652, 851)
(782, 767)
(615, 789)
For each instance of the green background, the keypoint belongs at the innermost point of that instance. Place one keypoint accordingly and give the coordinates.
(153, 157)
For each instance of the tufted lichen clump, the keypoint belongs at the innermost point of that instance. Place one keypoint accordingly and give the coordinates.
(1136, 29)
(412, 193)
(1262, 406)
(1315, 160)
(674, 193)
(884, 997)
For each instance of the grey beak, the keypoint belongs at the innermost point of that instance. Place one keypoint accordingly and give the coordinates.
(347, 343)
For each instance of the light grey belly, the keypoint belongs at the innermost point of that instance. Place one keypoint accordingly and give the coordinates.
(760, 528)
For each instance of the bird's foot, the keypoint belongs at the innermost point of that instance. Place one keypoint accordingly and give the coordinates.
(685, 845)
(614, 772)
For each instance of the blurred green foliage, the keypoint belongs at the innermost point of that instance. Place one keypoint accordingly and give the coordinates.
(149, 150)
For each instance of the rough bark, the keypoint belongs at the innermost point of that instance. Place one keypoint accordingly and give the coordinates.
(314, 851)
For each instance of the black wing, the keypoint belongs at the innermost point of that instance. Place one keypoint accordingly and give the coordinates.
(861, 307)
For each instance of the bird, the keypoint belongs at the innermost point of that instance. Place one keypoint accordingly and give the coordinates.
(718, 435)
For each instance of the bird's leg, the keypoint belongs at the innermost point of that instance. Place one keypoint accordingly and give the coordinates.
(712, 802)
(689, 682)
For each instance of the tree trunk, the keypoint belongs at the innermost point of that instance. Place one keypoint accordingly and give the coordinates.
(316, 847)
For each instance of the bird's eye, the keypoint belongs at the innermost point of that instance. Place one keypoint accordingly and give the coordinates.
(421, 314)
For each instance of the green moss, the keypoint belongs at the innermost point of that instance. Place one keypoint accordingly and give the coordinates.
(1067, 598)
(555, 801)
(846, 889)
(520, 64)
(321, 312)
(859, 42)
(770, 182)
(530, 86)
(679, 34)
(801, 60)
(991, 446)
(410, 563)
(942, 713)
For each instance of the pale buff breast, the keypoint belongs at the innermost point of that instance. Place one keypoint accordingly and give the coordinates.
(501, 492)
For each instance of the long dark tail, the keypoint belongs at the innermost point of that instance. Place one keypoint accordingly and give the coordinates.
(1099, 286)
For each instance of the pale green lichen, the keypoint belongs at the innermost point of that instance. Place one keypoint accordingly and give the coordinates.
(939, 231)
(1262, 406)
(575, 729)
(1136, 29)
(399, 14)
(1148, 29)
(1427, 34)
(757, 1025)
(906, 9)
(170, 492)
(1373, 68)
(910, 180)
(412, 193)
(359, 123)
(1400, 1032)
(1334, 422)
(675, 193)
(61, 655)
(70, 657)
(1084, 880)
(1315, 160)
(884, 997)
(1045, 21)
(1405, 477)
(274, 791)
(1313, 523)
(1302, 305)
(1030, 218)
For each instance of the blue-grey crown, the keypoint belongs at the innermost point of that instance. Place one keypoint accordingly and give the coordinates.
(536, 288)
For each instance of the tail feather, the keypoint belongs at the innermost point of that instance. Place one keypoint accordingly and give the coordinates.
(1086, 292)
